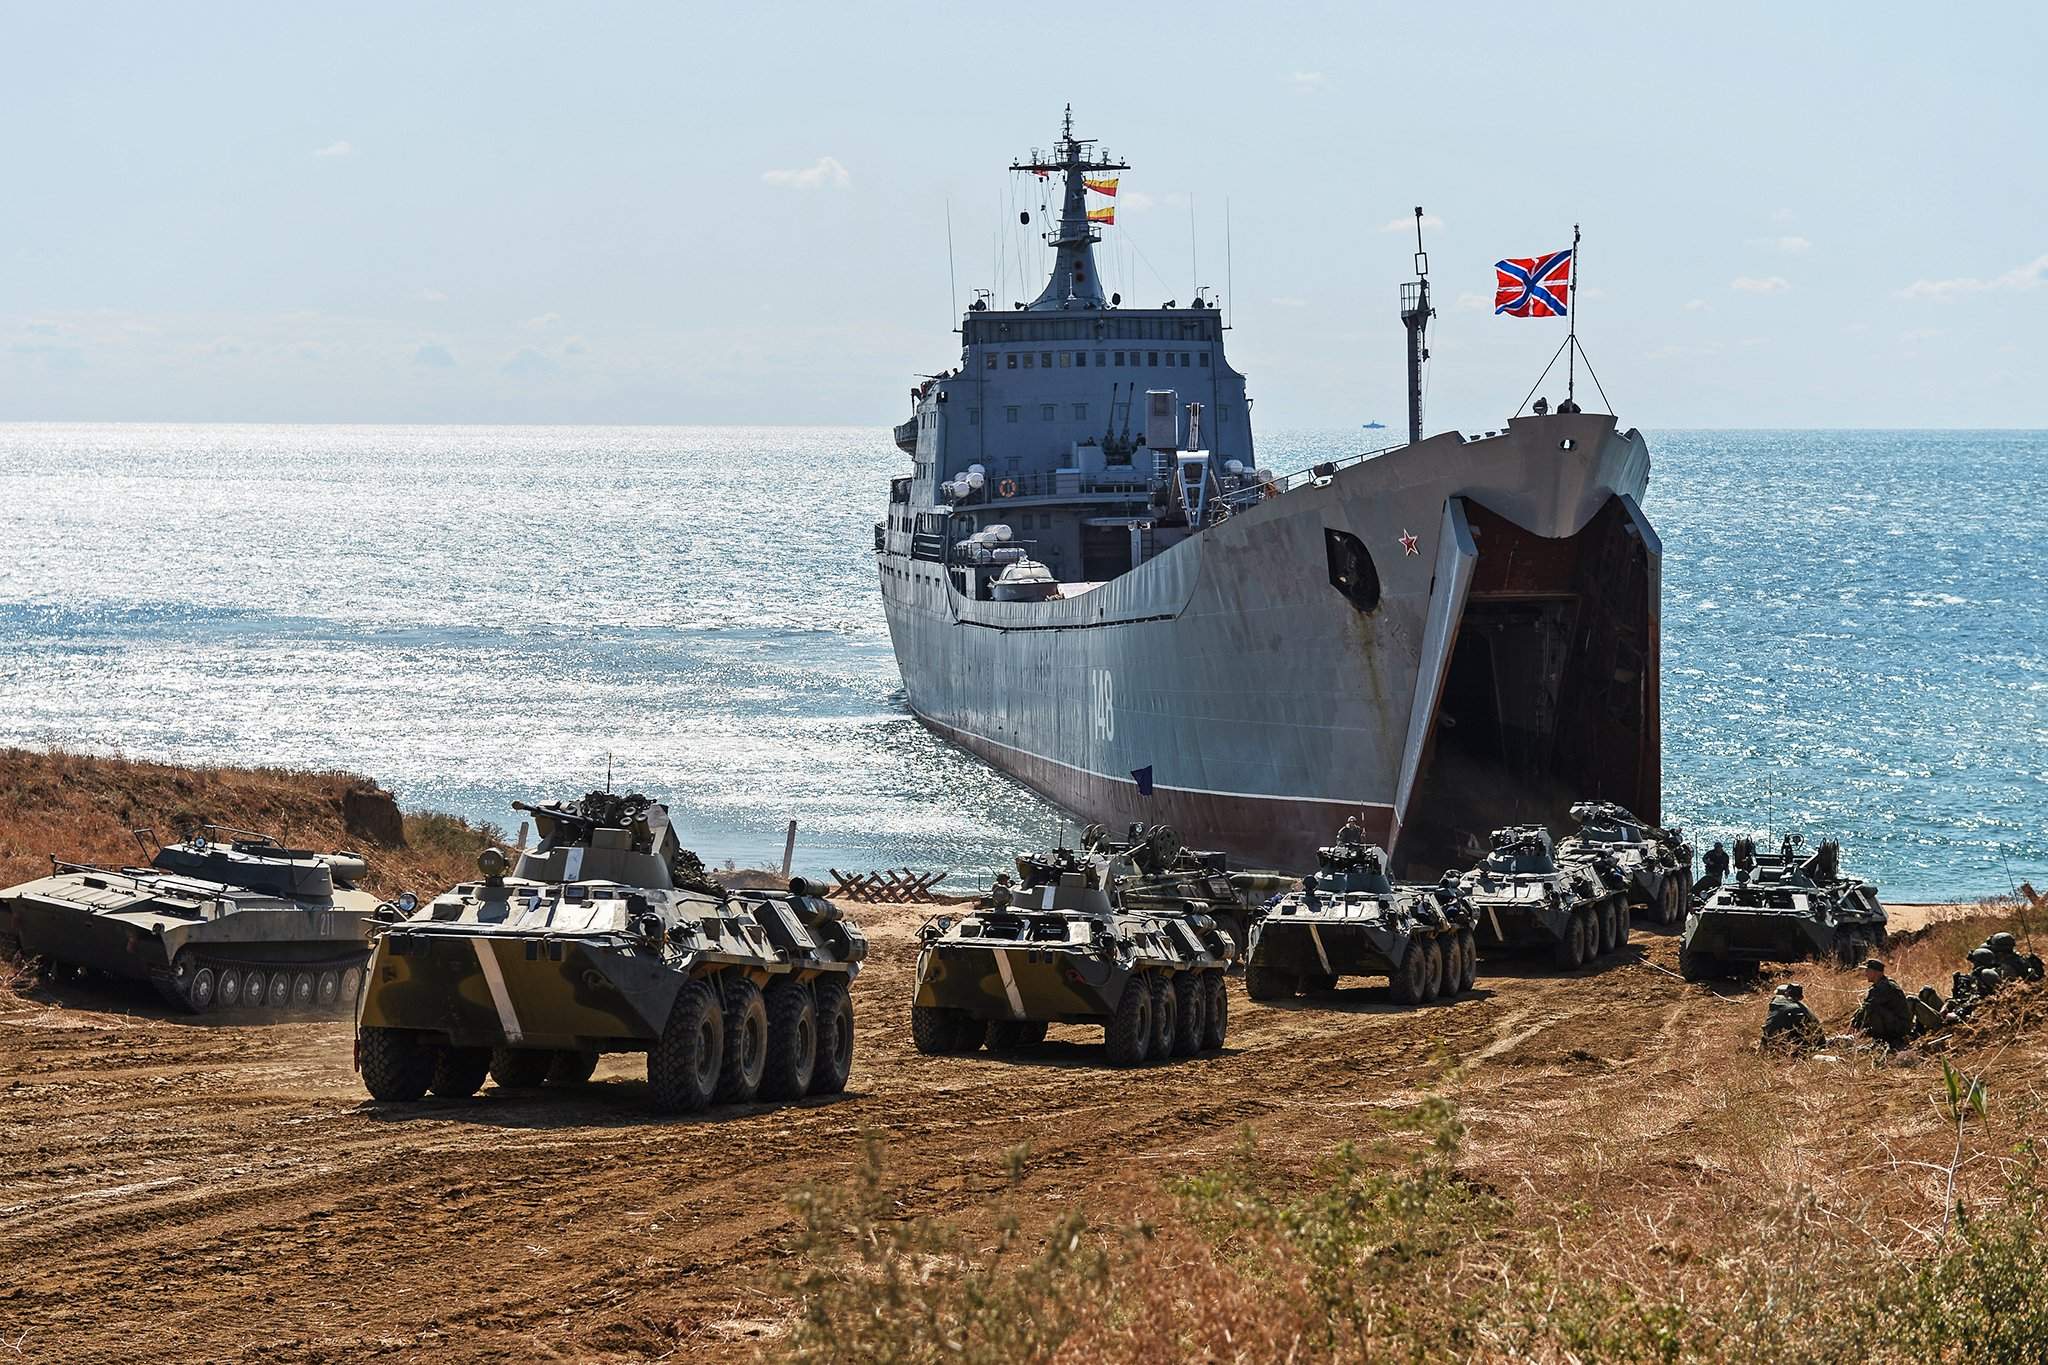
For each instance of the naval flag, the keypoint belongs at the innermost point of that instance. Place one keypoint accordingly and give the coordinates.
(1533, 286)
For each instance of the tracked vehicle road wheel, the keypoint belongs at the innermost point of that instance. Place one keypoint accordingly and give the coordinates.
(1128, 1034)
(520, 1068)
(396, 1065)
(201, 989)
(1216, 1021)
(683, 1064)
(935, 1029)
(1014, 1035)
(1165, 1016)
(305, 991)
(792, 1040)
(351, 984)
(459, 1071)
(278, 994)
(327, 989)
(1407, 982)
(227, 991)
(1262, 982)
(835, 1036)
(1190, 1012)
(253, 984)
(570, 1067)
(746, 1043)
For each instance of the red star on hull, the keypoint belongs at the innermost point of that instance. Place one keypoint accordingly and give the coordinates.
(1410, 542)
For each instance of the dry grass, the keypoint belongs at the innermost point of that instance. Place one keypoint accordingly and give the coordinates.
(81, 808)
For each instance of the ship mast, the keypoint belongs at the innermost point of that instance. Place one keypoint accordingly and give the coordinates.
(1415, 316)
(1074, 282)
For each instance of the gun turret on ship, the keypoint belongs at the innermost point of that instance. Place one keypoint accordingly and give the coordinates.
(1450, 635)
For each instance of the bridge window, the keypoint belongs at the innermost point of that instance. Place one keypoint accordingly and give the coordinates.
(1205, 360)
(1030, 359)
(1048, 411)
(1066, 359)
(1119, 359)
(1101, 359)
(1010, 413)
(991, 360)
(1080, 412)
(1046, 359)
(1013, 359)
(1151, 357)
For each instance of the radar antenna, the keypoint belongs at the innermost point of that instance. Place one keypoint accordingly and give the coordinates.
(1415, 316)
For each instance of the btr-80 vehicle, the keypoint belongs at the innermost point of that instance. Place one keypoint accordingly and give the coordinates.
(1649, 864)
(1781, 908)
(1524, 900)
(1349, 919)
(228, 918)
(608, 937)
(1156, 873)
(1064, 946)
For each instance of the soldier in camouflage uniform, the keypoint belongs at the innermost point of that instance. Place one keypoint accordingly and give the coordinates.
(1716, 865)
(1930, 1015)
(1884, 1015)
(1789, 1025)
(1353, 833)
(999, 894)
(2007, 959)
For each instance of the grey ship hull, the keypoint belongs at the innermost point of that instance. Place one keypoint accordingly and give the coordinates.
(1508, 667)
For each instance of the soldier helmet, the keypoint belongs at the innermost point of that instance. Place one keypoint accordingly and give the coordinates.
(1792, 990)
(2000, 942)
(1983, 957)
(1873, 965)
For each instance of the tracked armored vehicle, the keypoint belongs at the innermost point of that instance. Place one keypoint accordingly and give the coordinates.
(1524, 901)
(608, 937)
(1781, 908)
(1156, 872)
(1650, 865)
(1349, 919)
(228, 918)
(1066, 947)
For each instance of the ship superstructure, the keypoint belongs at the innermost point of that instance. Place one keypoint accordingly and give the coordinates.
(1091, 583)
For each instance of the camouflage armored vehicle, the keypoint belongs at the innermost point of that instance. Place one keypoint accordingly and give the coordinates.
(608, 937)
(1781, 908)
(1154, 872)
(1524, 900)
(1349, 919)
(1650, 865)
(1065, 947)
(228, 918)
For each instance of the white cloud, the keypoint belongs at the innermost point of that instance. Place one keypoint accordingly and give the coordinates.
(432, 296)
(2029, 276)
(543, 322)
(1429, 220)
(1794, 245)
(825, 172)
(336, 148)
(1306, 80)
(1698, 306)
(1768, 284)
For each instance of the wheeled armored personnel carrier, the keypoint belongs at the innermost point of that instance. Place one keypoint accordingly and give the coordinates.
(1066, 947)
(608, 937)
(1524, 900)
(1649, 864)
(227, 918)
(1156, 872)
(1782, 908)
(1349, 919)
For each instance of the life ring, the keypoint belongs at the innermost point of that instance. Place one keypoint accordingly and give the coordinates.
(1008, 488)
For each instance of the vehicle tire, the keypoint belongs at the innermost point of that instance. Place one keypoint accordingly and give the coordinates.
(1216, 1019)
(1128, 1034)
(1318, 982)
(227, 989)
(1407, 982)
(253, 984)
(459, 1071)
(792, 1040)
(1165, 1016)
(1469, 945)
(327, 989)
(746, 1042)
(972, 1034)
(1677, 896)
(1615, 921)
(1190, 1012)
(396, 1065)
(520, 1068)
(684, 1063)
(835, 1035)
(571, 1067)
(935, 1029)
(1262, 982)
(1014, 1035)
(1432, 969)
(1696, 966)
(305, 991)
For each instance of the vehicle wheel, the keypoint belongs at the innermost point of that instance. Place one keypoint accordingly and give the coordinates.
(396, 1064)
(227, 990)
(1190, 1012)
(202, 986)
(1216, 1018)
(746, 1043)
(328, 989)
(1318, 982)
(278, 994)
(835, 1036)
(1615, 915)
(1261, 982)
(1849, 950)
(459, 1071)
(1695, 966)
(935, 1029)
(683, 1064)
(1571, 946)
(304, 991)
(520, 1068)
(972, 1034)
(1432, 968)
(1469, 949)
(253, 984)
(792, 1040)
(1014, 1035)
(1165, 1016)
(571, 1067)
(351, 984)
(1677, 895)
(1408, 981)
(1128, 1034)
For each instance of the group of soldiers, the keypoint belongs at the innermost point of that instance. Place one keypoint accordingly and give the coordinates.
(1893, 1018)
(1822, 866)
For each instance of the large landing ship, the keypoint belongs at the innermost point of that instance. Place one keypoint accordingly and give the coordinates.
(1443, 638)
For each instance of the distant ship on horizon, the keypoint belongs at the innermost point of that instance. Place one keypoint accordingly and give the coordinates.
(1092, 583)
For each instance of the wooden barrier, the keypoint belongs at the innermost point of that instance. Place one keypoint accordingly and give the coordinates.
(901, 885)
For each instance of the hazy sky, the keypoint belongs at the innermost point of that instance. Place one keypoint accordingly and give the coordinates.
(1795, 215)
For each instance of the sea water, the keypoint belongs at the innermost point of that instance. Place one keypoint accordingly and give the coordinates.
(1856, 630)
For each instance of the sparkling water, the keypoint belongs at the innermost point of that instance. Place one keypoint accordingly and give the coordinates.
(1856, 630)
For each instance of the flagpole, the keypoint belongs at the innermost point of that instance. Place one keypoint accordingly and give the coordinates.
(1571, 338)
